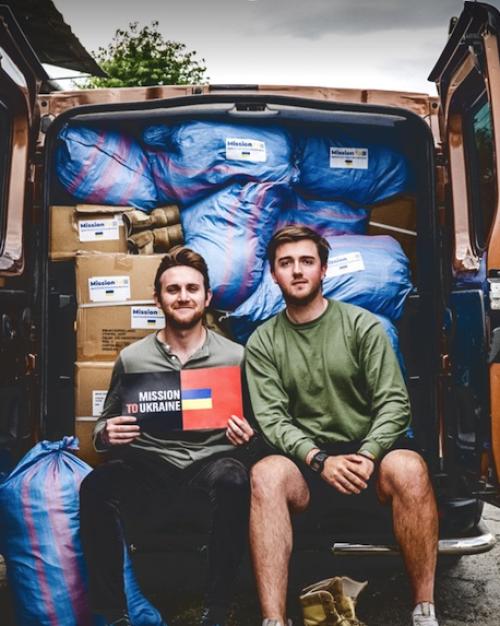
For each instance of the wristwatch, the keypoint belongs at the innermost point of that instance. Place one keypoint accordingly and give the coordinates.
(318, 461)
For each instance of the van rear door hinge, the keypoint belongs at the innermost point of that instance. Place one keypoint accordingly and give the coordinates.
(30, 363)
(475, 44)
(494, 283)
(445, 363)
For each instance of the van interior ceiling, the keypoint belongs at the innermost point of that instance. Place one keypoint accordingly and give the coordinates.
(409, 218)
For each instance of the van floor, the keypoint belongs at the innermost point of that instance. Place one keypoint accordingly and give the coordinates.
(467, 592)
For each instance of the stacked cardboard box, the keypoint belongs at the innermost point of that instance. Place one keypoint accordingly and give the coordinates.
(115, 307)
(115, 303)
(91, 386)
(86, 227)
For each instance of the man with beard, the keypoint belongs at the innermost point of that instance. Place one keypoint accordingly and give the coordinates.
(148, 469)
(327, 392)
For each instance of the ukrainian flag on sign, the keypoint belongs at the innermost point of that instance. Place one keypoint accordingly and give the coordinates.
(193, 399)
(209, 396)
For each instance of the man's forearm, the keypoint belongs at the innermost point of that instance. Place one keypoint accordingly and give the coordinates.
(310, 455)
(283, 435)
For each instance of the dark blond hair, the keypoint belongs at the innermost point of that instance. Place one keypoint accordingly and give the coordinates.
(290, 234)
(180, 255)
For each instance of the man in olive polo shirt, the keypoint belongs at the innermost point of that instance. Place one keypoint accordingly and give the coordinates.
(148, 468)
(327, 392)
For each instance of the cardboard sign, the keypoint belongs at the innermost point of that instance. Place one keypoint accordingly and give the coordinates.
(192, 399)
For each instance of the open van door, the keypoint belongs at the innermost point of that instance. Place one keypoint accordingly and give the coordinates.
(21, 76)
(467, 76)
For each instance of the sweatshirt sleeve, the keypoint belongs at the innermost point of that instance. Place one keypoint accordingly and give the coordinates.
(386, 391)
(270, 401)
(112, 405)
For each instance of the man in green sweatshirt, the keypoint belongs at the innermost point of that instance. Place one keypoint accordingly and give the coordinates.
(328, 393)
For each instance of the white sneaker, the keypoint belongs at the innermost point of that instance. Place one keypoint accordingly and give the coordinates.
(424, 615)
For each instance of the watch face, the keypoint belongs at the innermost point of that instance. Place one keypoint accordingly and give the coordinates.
(318, 461)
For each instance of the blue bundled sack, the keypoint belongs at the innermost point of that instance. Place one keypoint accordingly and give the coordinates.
(39, 538)
(231, 230)
(104, 167)
(193, 159)
(392, 333)
(327, 217)
(371, 272)
(353, 170)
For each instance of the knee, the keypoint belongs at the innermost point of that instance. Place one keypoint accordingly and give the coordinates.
(88, 488)
(268, 478)
(231, 475)
(404, 472)
(98, 486)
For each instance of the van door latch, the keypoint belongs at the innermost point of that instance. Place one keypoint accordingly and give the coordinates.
(494, 283)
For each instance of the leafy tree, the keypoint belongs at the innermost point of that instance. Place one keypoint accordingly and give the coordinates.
(143, 57)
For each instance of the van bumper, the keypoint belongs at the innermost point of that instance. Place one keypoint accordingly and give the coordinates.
(482, 540)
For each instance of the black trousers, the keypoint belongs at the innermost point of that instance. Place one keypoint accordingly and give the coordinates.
(128, 488)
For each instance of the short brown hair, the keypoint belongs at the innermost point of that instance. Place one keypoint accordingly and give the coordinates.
(290, 234)
(180, 255)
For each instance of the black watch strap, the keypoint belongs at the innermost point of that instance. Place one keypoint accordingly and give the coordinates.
(318, 461)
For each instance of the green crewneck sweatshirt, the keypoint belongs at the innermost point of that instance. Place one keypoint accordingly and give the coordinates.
(334, 379)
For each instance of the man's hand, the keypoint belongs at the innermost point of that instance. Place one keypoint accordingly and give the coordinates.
(238, 430)
(120, 430)
(348, 473)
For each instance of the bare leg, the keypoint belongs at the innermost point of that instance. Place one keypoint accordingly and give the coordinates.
(404, 482)
(278, 489)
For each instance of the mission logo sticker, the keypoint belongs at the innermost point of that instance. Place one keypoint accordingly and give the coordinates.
(348, 158)
(194, 399)
(102, 229)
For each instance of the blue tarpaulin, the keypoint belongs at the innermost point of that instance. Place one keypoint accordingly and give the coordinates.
(193, 159)
(359, 171)
(40, 540)
(231, 230)
(99, 166)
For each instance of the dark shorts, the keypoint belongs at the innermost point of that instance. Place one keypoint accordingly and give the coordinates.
(324, 498)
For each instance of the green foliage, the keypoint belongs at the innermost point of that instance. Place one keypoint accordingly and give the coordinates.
(142, 57)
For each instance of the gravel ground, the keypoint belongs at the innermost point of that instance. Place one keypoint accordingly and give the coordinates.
(467, 592)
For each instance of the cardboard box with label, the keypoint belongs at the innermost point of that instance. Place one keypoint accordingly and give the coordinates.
(86, 227)
(84, 427)
(103, 330)
(115, 297)
(110, 278)
(91, 386)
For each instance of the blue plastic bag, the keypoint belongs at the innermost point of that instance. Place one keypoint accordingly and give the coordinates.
(327, 217)
(39, 538)
(354, 170)
(392, 333)
(193, 159)
(371, 272)
(231, 230)
(104, 167)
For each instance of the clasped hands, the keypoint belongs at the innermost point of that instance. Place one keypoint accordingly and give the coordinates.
(348, 473)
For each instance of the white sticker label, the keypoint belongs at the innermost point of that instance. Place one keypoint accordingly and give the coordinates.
(146, 317)
(349, 158)
(495, 294)
(241, 149)
(98, 397)
(109, 288)
(345, 264)
(102, 229)
(494, 289)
